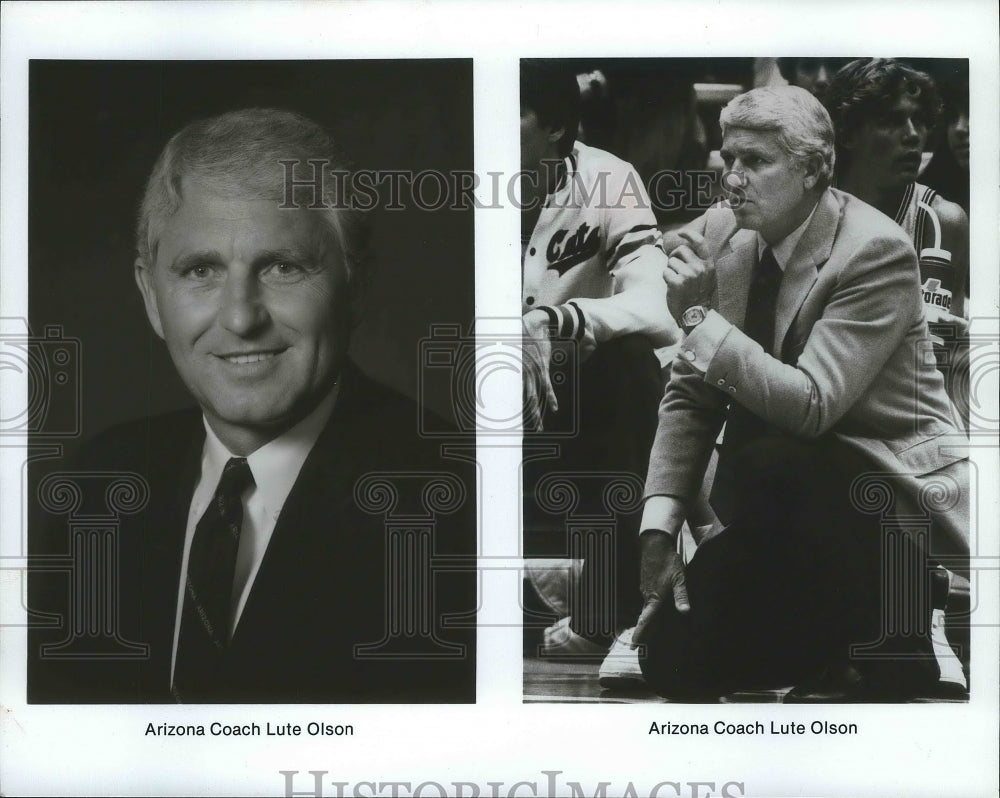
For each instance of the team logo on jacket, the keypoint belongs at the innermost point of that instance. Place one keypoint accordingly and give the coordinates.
(565, 251)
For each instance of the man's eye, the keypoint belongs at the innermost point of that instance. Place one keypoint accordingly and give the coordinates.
(283, 269)
(198, 272)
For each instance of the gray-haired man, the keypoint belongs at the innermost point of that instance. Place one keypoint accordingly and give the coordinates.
(804, 326)
(262, 568)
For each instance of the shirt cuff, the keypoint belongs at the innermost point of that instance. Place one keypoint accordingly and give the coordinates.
(701, 344)
(655, 513)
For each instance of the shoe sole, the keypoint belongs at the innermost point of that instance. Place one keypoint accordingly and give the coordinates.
(621, 681)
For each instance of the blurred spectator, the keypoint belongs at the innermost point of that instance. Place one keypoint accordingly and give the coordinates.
(948, 171)
(812, 74)
(597, 111)
(644, 111)
(882, 112)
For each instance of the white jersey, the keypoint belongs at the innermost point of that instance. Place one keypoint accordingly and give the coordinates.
(913, 218)
(594, 258)
(938, 275)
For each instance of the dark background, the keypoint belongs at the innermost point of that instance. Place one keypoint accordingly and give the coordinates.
(96, 127)
(650, 113)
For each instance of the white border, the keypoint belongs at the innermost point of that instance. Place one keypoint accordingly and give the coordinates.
(932, 750)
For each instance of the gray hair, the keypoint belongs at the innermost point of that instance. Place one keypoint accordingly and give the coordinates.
(241, 153)
(802, 123)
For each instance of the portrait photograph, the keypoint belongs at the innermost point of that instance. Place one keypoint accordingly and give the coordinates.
(233, 278)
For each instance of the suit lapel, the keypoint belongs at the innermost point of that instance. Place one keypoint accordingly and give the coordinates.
(164, 550)
(734, 268)
(802, 269)
(322, 492)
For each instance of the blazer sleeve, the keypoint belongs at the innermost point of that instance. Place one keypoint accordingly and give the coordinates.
(690, 416)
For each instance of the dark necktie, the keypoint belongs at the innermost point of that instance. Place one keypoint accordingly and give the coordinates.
(742, 426)
(208, 589)
(762, 301)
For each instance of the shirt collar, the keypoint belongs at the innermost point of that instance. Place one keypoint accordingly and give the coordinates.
(783, 250)
(567, 169)
(275, 465)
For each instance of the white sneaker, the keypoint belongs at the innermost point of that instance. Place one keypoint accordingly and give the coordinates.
(620, 669)
(560, 642)
(948, 664)
(951, 674)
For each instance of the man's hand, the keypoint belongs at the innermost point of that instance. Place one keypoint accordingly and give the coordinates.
(690, 275)
(537, 381)
(661, 579)
(937, 315)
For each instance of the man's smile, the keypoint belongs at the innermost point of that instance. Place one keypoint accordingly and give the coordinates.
(251, 356)
(255, 363)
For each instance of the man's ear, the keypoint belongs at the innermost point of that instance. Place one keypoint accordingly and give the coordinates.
(556, 133)
(147, 287)
(814, 166)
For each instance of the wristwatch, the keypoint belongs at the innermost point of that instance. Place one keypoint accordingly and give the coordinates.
(692, 317)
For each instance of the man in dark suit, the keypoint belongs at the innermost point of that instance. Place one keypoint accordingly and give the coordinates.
(804, 328)
(296, 540)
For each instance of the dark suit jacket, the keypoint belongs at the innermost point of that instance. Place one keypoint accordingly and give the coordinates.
(330, 580)
(850, 328)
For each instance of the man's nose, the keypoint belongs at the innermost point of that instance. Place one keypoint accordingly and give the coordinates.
(962, 124)
(243, 310)
(911, 132)
(822, 76)
(734, 178)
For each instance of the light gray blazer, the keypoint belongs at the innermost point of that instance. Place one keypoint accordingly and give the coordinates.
(850, 316)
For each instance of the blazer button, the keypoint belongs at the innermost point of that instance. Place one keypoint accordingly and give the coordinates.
(529, 301)
(732, 389)
(722, 382)
(687, 354)
(531, 251)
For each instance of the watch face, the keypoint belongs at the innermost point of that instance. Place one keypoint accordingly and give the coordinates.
(693, 315)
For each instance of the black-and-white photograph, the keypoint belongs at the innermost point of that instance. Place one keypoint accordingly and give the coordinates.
(745, 284)
(233, 275)
(490, 400)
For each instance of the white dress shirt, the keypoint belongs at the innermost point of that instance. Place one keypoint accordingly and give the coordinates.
(783, 250)
(275, 467)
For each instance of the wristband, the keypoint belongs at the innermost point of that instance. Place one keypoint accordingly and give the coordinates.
(553, 325)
